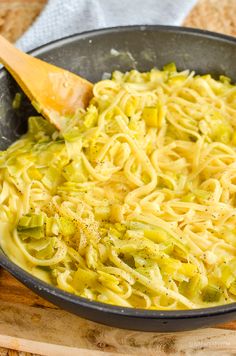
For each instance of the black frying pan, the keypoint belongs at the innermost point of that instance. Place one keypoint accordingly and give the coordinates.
(90, 55)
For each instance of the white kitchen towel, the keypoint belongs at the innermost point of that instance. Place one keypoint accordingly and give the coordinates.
(61, 18)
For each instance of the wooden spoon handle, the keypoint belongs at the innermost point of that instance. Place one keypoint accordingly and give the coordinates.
(9, 54)
(16, 62)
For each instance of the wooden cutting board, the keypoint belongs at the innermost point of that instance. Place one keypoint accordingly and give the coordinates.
(29, 323)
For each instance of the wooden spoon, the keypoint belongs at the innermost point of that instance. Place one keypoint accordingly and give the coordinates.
(55, 92)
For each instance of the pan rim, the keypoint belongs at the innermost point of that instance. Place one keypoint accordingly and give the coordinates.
(40, 286)
(142, 27)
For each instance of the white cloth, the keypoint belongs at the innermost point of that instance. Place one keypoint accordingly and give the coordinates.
(61, 18)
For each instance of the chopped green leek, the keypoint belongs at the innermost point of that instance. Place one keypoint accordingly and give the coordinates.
(31, 221)
(66, 226)
(17, 101)
(84, 279)
(31, 225)
(72, 135)
(221, 129)
(150, 116)
(189, 198)
(91, 117)
(51, 178)
(188, 269)
(131, 107)
(24, 222)
(158, 235)
(191, 287)
(211, 294)
(52, 226)
(35, 173)
(35, 232)
(176, 80)
(75, 172)
(154, 116)
(224, 79)
(38, 124)
(102, 212)
(171, 67)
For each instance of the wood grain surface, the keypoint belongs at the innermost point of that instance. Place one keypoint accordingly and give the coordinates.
(31, 324)
(15, 292)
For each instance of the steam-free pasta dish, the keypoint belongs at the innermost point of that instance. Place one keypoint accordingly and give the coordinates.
(133, 202)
